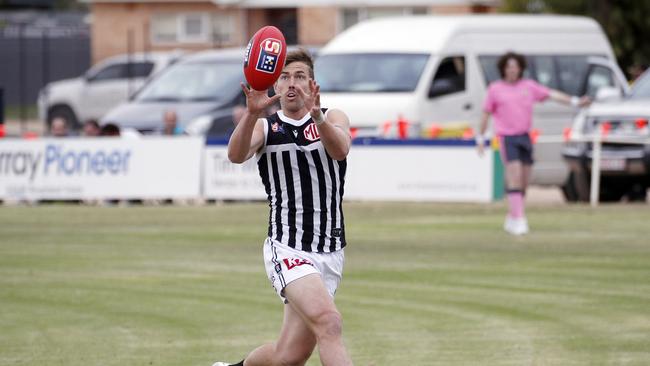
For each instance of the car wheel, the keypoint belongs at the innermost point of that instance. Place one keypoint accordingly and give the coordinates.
(569, 189)
(67, 114)
(611, 191)
(637, 193)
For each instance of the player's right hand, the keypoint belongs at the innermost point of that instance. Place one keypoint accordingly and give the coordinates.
(257, 101)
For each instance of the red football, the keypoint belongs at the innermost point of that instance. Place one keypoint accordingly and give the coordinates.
(264, 57)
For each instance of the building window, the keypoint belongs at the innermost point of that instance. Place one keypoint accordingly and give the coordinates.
(352, 16)
(223, 28)
(171, 28)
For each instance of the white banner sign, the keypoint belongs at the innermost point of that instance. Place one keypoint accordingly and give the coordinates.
(394, 172)
(100, 168)
(224, 180)
(419, 173)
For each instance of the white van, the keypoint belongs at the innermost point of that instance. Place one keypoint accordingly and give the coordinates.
(433, 70)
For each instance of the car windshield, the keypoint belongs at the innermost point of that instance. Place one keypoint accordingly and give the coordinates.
(369, 72)
(194, 82)
(641, 88)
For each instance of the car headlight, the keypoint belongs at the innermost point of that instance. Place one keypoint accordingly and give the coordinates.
(199, 126)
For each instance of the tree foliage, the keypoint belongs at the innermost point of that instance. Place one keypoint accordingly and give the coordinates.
(626, 23)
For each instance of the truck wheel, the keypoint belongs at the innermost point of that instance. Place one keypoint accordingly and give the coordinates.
(569, 189)
(611, 191)
(637, 193)
(67, 114)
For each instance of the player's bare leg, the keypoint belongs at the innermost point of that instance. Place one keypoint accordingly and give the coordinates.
(311, 300)
(293, 348)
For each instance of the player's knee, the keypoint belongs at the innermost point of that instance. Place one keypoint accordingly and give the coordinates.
(294, 357)
(329, 324)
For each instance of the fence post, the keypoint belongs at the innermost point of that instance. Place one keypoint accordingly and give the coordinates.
(594, 195)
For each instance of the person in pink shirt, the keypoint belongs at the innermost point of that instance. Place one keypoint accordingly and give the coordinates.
(510, 102)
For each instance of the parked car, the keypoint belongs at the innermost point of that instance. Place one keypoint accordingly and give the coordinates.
(199, 88)
(433, 71)
(202, 88)
(624, 167)
(101, 88)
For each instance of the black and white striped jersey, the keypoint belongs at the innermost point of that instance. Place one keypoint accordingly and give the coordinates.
(304, 186)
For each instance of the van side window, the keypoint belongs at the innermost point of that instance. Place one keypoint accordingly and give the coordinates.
(449, 78)
(572, 71)
(598, 77)
(545, 72)
(491, 69)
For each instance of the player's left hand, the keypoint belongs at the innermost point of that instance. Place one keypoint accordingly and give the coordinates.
(312, 100)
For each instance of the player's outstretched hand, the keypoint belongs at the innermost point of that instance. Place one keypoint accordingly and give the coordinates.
(257, 101)
(312, 100)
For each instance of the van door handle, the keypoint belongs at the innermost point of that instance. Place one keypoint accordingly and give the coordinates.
(467, 106)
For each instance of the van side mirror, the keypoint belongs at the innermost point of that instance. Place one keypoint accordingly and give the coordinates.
(442, 86)
(608, 93)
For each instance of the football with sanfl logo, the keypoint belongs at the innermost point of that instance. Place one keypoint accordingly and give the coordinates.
(264, 57)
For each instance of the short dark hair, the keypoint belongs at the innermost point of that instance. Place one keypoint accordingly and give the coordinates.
(503, 61)
(110, 129)
(301, 55)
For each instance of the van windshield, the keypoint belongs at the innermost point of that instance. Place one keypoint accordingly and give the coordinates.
(194, 82)
(369, 72)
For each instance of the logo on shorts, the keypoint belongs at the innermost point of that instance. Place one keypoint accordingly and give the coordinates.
(295, 262)
(270, 51)
(311, 132)
(336, 232)
(278, 268)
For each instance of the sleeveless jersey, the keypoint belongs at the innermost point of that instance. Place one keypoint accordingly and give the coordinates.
(304, 186)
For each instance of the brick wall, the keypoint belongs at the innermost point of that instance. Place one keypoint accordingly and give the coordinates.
(317, 25)
(112, 22)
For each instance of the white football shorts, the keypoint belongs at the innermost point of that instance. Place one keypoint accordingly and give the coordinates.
(284, 265)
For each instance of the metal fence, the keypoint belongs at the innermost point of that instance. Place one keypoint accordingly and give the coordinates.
(37, 48)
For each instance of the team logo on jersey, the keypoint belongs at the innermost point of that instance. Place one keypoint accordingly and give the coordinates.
(295, 133)
(311, 132)
(295, 262)
(276, 127)
(269, 53)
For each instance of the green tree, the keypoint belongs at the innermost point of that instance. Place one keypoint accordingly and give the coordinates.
(626, 23)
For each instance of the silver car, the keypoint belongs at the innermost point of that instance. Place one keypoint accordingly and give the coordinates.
(625, 159)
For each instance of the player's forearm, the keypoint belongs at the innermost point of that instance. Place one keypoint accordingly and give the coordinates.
(335, 140)
(240, 141)
(564, 98)
(483, 123)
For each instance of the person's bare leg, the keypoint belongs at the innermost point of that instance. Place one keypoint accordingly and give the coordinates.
(311, 300)
(293, 348)
(514, 175)
(526, 173)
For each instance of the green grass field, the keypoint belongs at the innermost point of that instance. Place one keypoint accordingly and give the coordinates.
(424, 284)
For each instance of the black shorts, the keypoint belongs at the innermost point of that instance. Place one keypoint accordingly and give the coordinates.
(517, 148)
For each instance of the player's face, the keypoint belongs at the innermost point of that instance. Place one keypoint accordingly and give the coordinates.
(513, 71)
(295, 75)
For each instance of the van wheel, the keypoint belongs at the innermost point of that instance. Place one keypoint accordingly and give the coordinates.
(67, 114)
